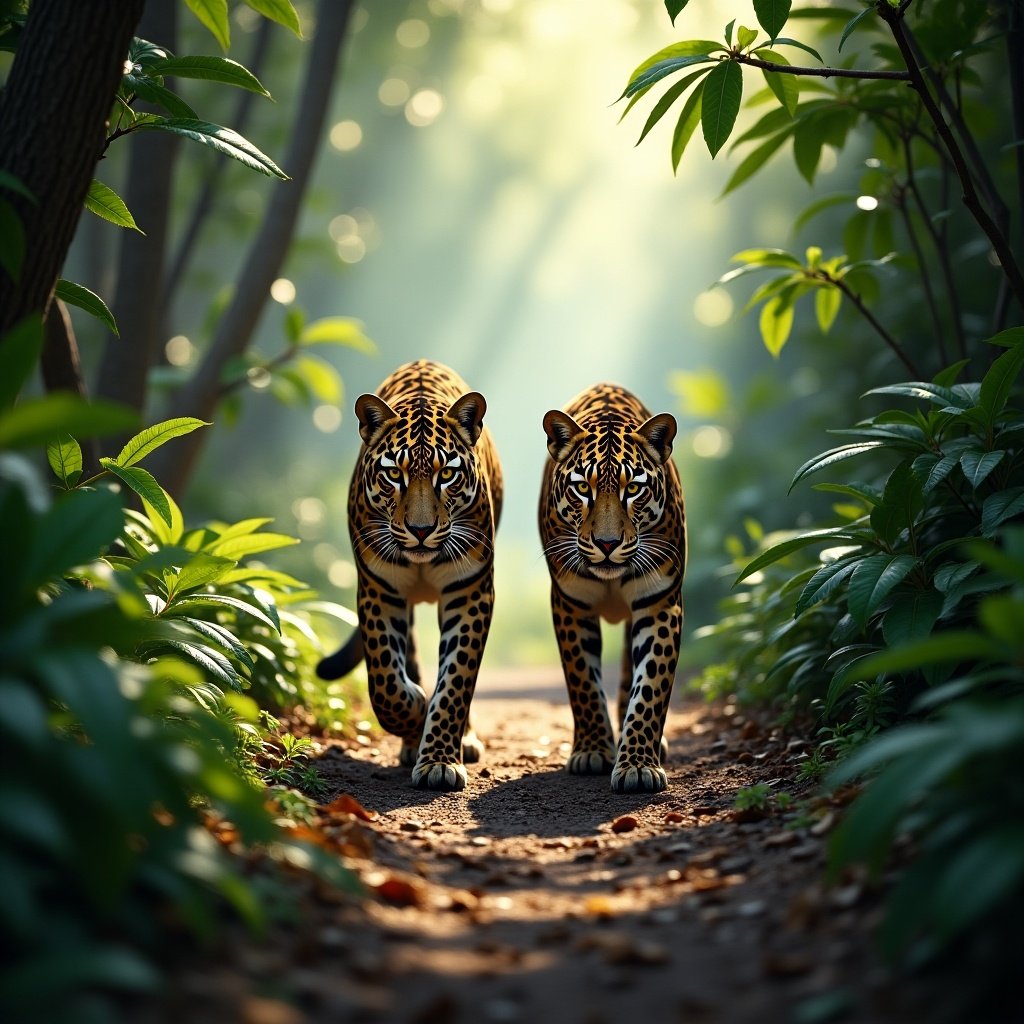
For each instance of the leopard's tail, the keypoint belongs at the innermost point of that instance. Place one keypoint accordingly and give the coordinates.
(342, 661)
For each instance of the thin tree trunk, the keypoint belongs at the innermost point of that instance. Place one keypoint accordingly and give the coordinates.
(61, 367)
(173, 464)
(53, 114)
(126, 359)
(182, 256)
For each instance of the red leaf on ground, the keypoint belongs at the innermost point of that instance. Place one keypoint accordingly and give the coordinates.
(625, 823)
(345, 804)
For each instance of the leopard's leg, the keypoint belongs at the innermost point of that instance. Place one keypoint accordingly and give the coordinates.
(654, 641)
(397, 698)
(579, 643)
(410, 747)
(464, 614)
(626, 685)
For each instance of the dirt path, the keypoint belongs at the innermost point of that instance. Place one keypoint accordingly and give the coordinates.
(535, 896)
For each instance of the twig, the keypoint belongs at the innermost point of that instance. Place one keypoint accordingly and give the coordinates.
(893, 344)
(894, 19)
(823, 72)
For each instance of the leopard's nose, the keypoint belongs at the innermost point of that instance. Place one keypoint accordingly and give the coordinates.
(607, 545)
(421, 533)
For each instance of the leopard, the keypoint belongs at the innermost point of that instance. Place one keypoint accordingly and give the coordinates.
(613, 531)
(424, 503)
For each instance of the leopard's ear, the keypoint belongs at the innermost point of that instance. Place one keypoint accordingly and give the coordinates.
(656, 435)
(466, 416)
(563, 433)
(373, 414)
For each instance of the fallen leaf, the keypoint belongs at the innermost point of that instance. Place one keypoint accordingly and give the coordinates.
(345, 804)
(624, 823)
(400, 892)
(673, 818)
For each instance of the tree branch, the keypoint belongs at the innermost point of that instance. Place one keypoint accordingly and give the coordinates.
(893, 344)
(894, 19)
(173, 463)
(211, 182)
(823, 72)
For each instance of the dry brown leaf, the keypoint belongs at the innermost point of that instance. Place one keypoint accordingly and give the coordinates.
(624, 823)
(400, 892)
(345, 804)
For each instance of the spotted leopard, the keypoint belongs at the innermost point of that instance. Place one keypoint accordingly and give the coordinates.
(614, 535)
(423, 506)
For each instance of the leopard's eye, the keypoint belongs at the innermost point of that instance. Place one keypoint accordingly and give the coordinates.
(582, 487)
(393, 473)
(632, 488)
(447, 474)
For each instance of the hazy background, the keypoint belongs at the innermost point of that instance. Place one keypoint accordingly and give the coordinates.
(477, 203)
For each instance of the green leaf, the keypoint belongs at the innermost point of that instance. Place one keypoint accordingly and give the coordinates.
(978, 465)
(767, 258)
(214, 15)
(294, 321)
(783, 41)
(775, 323)
(280, 11)
(661, 70)
(935, 393)
(832, 456)
(80, 296)
(853, 23)
(64, 455)
(999, 507)
(674, 7)
(20, 348)
(772, 15)
(755, 160)
(201, 570)
(147, 442)
(216, 600)
(239, 547)
(211, 661)
(223, 140)
(166, 533)
(106, 203)
(76, 530)
(827, 301)
(151, 91)
(825, 582)
(38, 421)
(999, 380)
(670, 96)
(322, 379)
(686, 125)
(13, 184)
(686, 48)
(901, 503)
(808, 139)
(723, 93)
(785, 87)
(143, 484)
(222, 637)
(337, 330)
(211, 69)
(745, 36)
(872, 580)
(911, 618)
(1007, 338)
(786, 547)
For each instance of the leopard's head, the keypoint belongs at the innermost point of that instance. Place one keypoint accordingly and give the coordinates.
(420, 477)
(608, 489)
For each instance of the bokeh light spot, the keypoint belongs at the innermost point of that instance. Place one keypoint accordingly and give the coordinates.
(867, 203)
(424, 107)
(412, 33)
(341, 573)
(713, 308)
(393, 92)
(309, 511)
(346, 136)
(283, 291)
(711, 442)
(179, 350)
(327, 418)
(351, 249)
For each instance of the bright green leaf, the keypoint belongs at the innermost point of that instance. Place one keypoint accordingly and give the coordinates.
(723, 93)
(38, 421)
(214, 15)
(239, 547)
(826, 307)
(64, 455)
(146, 442)
(785, 87)
(689, 118)
(775, 323)
(280, 11)
(143, 484)
(745, 36)
(670, 96)
(211, 69)
(106, 203)
(223, 140)
(337, 330)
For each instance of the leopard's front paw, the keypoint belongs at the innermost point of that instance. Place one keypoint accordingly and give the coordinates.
(590, 762)
(638, 775)
(472, 747)
(447, 776)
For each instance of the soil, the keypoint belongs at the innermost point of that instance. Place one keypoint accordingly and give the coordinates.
(537, 896)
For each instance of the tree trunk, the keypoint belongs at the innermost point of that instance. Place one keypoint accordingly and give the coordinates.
(137, 303)
(53, 113)
(173, 464)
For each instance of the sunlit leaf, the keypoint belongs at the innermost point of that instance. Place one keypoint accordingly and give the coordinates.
(723, 93)
(223, 140)
(281, 11)
(106, 203)
(37, 421)
(826, 307)
(64, 455)
(147, 442)
(671, 95)
(214, 15)
(143, 484)
(775, 323)
(689, 118)
(337, 330)
(786, 547)
(211, 69)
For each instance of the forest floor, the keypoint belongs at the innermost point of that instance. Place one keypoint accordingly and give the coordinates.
(537, 896)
